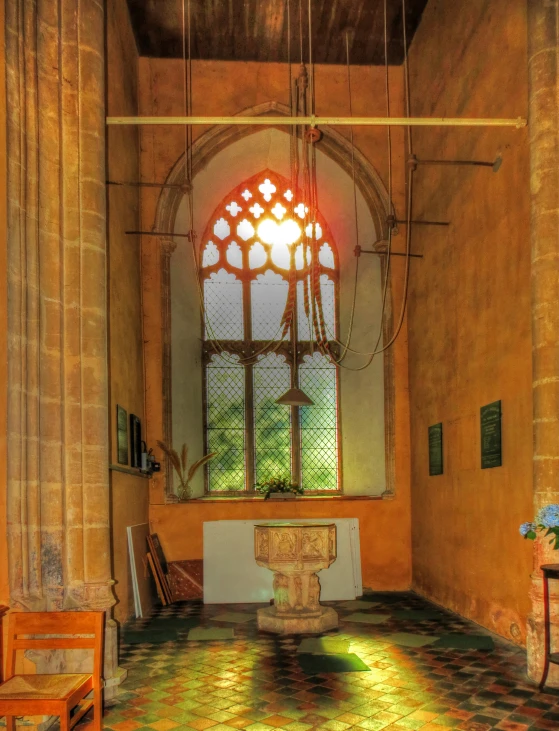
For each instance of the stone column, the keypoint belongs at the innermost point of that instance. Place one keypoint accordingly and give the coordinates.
(544, 186)
(58, 486)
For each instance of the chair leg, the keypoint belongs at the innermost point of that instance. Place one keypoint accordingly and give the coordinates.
(10, 723)
(98, 711)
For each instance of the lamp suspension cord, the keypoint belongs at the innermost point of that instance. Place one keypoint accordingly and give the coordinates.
(398, 328)
(317, 312)
(188, 163)
(355, 214)
(387, 272)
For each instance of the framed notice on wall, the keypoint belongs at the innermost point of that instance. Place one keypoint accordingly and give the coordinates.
(491, 447)
(436, 449)
(121, 435)
(135, 441)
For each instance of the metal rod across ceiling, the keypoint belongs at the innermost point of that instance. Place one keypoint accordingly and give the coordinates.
(519, 122)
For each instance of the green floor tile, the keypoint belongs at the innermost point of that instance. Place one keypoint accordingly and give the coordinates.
(358, 604)
(237, 617)
(151, 636)
(212, 633)
(313, 664)
(407, 639)
(324, 646)
(175, 623)
(417, 615)
(465, 642)
(147, 718)
(367, 618)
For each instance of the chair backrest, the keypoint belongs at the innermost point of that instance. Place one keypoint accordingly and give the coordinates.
(27, 630)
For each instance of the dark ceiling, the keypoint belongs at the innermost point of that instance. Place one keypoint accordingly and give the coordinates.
(257, 30)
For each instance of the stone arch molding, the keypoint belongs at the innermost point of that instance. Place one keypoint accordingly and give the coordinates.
(332, 144)
(339, 150)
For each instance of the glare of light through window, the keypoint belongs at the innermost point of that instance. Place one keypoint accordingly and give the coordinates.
(287, 232)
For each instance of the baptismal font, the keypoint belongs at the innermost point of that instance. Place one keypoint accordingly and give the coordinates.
(295, 552)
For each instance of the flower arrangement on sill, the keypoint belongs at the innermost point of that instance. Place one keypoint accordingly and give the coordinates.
(546, 520)
(184, 491)
(278, 484)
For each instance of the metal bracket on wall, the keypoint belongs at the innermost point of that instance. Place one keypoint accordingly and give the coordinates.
(413, 162)
(358, 251)
(159, 233)
(183, 187)
(391, 222)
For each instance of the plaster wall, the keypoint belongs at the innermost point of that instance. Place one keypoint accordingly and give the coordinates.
(469, 314)
(222, 88)
(129, 492)
(4, 584)
(362, 430)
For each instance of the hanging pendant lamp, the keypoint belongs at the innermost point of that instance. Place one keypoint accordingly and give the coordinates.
(295, 397)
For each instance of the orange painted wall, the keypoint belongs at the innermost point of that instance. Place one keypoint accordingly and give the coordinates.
(469, 314)
(383, 526)
(222, 88)
(129, 493)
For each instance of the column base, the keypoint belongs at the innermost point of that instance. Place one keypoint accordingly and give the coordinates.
(269, 620)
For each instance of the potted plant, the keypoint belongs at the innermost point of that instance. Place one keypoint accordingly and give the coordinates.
(546, 520)
(180, 466)
(279, 487)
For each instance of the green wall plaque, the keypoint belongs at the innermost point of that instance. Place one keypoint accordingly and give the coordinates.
(491, 450)
(436, 449)
(121, 435)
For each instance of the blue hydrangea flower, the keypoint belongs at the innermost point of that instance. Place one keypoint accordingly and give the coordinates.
(525, 528)
(548, 516)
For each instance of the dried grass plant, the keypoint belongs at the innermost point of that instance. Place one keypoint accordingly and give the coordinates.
(180, 463)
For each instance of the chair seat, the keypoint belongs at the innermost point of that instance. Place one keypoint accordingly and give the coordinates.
(42, 687)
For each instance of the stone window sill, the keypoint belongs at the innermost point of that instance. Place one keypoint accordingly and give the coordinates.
(305, 499)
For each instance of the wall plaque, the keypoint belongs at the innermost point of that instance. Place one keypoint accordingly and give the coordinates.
(135, 441)
(121, 435)
(436, 449)
(491, 450)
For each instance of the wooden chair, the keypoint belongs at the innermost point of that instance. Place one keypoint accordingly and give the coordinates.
(53, 694)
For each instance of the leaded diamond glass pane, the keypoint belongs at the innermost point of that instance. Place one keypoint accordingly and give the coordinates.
(328, 304)
(257, 256)
(225, 419)
(210, 255)
(281, 255)
(272, 428)
(234, 255)
(269, 297)
(319, 442)
(304, 321)
(326, 256)
(252, 277)
(223, 302)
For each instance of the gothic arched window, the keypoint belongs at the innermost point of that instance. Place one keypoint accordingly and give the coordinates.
(251, 253)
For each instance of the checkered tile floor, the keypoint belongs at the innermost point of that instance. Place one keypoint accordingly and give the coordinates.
(256, 681)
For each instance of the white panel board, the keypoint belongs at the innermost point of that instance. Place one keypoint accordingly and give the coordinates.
(232, 576)
(144, 590)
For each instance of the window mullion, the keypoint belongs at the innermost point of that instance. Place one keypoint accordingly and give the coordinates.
(250, 460)
(295, 422)
(295, 436)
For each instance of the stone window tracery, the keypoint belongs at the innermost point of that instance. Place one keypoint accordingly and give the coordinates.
(252, 257)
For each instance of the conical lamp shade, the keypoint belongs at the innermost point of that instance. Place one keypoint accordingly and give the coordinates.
(295, 397)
